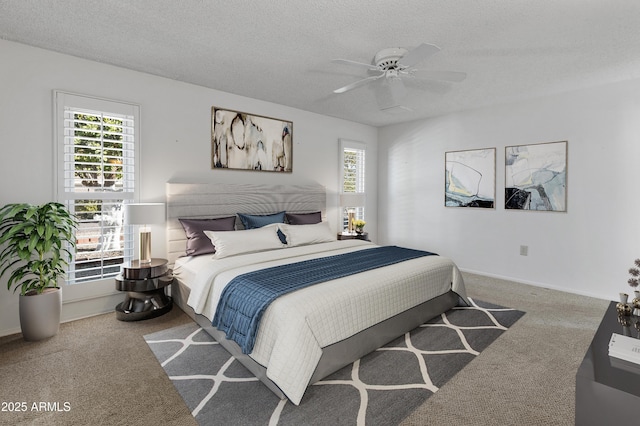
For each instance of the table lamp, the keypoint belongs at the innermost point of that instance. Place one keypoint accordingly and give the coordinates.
(349, 200)
(144, 214)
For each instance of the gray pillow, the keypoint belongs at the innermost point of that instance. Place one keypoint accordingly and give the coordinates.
(304, 218)
(197, 242)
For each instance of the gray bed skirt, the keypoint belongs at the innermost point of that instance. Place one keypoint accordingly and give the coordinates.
(334, 356)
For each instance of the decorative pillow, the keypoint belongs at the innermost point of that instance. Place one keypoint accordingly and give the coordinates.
(251, 221)
(304, 218)
(197, 242)
(229, 243)
(298, 235)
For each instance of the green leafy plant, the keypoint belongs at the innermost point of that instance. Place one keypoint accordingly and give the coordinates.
(34, 241)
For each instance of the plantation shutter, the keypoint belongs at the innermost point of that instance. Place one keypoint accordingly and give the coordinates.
(353, 165)
(97, 174)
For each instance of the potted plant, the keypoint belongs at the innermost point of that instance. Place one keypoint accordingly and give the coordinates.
(34, 241)
(359, 224)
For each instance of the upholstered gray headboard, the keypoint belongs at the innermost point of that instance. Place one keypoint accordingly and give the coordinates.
(213, 200)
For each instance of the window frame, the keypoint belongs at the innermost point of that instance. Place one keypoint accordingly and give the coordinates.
(62, 100)
(361, 191)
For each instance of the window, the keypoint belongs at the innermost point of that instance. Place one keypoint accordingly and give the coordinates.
(97, 148)
(352, 198)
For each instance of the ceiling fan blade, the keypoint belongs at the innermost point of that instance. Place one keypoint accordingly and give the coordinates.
(418, 54)
(397, 109)
(454, 76)
(354, 63)
(358, 83)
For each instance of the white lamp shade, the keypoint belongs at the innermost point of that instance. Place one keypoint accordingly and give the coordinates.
(352, 199)
(144, 213)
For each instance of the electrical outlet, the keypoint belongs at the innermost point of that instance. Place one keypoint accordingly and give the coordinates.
(524, 250)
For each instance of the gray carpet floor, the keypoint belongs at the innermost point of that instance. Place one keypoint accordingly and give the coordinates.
(527, 376)
(102, 370)
(381, 388)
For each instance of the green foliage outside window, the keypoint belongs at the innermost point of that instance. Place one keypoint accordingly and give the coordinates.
(98, 148)
(350, 171)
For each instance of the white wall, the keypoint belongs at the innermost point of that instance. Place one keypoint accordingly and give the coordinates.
(586, 250)
(175, 133)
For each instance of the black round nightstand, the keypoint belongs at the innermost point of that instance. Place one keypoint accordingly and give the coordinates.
(144, 284)
(363, 236)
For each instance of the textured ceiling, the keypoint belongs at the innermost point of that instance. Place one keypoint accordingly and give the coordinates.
(281, 50)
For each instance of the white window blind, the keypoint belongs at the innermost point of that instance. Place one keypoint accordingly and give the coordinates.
(353, 166)
(96, 175)
(353, 156)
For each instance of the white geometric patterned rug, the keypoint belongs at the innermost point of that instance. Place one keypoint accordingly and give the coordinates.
(381, 388)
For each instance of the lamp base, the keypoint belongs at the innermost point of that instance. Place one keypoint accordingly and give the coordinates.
(145, 245)
(351, 216)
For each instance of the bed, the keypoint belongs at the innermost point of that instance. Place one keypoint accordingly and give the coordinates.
(305, 335)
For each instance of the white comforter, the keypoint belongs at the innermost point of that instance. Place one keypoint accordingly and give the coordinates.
(296, 326)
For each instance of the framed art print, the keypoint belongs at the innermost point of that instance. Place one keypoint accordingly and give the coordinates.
(536, 177)
(470, 178)
(250, 142)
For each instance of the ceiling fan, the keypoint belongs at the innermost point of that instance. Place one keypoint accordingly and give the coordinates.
(390, 66)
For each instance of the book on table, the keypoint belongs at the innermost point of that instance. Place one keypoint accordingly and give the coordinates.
(624, 347)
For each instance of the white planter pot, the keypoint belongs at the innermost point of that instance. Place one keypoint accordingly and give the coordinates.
(40, 314)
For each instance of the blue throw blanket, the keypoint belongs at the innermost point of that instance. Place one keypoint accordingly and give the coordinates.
(247, 296)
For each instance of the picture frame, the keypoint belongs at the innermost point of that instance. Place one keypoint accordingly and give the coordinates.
(536, 177)
(244, 141)
(470, 178)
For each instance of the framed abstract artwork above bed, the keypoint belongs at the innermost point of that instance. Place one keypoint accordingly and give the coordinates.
(470, 178)
(536, 177)
(245, 141)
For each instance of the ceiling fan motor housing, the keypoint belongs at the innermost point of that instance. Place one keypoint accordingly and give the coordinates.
(387, 59)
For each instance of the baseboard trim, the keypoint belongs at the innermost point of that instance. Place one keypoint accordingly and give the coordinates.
(535, 284)
(92, 297)
(10, 331)
(76, 309)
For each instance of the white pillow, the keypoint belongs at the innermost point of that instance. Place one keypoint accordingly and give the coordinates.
(230, 243)
(298, 235)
